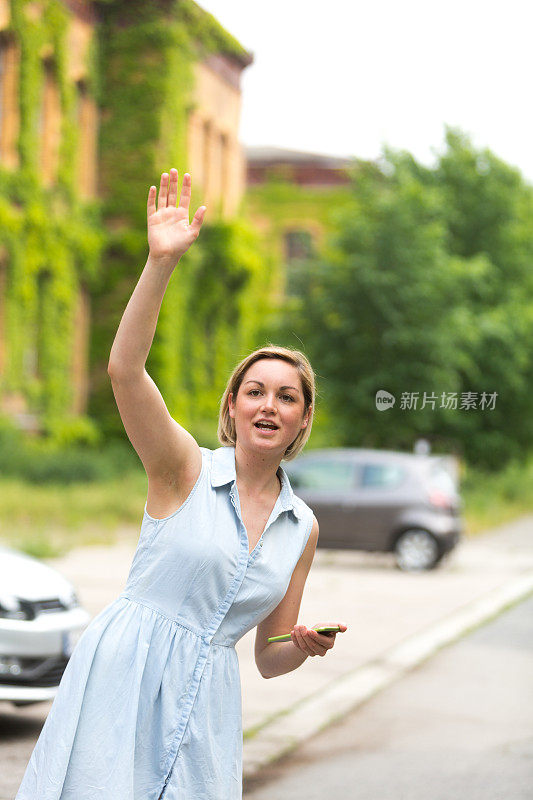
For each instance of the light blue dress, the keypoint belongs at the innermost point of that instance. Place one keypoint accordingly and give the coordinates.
(149, 705)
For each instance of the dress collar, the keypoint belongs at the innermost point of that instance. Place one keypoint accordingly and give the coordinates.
(223, 471)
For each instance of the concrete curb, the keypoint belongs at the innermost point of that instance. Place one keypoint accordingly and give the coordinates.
(311, 715)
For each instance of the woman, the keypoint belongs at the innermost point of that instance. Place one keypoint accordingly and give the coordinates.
(149, 705)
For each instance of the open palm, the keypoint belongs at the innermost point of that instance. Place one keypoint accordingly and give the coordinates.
(169, 232)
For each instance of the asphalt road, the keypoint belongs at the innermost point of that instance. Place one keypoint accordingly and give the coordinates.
(457, 727)
(382, 607)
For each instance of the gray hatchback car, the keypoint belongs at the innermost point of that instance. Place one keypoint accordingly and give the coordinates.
(382, 500)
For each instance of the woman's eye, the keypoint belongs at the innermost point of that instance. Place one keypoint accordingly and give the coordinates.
(286, 396)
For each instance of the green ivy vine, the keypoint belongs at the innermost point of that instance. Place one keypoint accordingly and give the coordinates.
(51, 240)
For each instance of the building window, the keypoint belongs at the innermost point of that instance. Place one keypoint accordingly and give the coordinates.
(43, 297)
(206, 157)
(298, 245)
(9, 108)
(29, 361)
(299, 249)
(80, 355)
(3, 291)
(225, 194)
(49, 124)
(3, 98)
(87, 128)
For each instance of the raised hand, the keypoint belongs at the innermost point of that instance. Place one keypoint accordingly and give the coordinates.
(169, 232)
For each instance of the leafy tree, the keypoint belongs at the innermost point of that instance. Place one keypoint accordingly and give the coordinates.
(488, 208)
(427, 288)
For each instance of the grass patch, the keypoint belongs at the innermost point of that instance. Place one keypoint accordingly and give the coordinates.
(47, 519)
(492, 499)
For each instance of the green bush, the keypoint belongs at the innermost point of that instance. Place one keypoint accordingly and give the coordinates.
(66, 432)
(47, 460)
(64, 466)
(9, 432)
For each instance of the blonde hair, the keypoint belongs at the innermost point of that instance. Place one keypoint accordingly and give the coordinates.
(226, 425)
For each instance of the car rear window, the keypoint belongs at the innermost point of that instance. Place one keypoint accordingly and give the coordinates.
(439, 478)
(325, 474)
(382, 476)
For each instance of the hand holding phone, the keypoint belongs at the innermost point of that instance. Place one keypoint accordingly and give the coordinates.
(327, 630)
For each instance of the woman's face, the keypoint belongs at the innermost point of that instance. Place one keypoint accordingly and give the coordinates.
(271, 389)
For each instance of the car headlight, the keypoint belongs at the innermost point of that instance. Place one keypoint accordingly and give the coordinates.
(73, 600)
(10, 607)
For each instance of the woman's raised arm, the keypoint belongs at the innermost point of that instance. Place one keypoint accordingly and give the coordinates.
(169, 237)
(164, 447)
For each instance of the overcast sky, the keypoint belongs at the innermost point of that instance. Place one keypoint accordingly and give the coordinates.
(343, 77)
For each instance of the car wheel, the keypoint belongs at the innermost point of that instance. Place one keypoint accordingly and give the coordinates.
(416, 550)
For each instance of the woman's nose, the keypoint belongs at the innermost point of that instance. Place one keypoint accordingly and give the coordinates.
(268, 402)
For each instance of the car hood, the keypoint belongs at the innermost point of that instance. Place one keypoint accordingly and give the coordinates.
(27, 578)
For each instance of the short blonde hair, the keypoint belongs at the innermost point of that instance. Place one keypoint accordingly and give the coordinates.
(226, 425)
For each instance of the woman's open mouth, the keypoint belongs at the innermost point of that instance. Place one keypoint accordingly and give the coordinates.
(267, 430)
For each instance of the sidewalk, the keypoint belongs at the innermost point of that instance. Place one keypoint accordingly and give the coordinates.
(395, 620)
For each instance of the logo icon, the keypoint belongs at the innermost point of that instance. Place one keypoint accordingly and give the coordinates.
(384, 400)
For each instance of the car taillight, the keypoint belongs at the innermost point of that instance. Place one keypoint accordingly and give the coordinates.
(441, 500)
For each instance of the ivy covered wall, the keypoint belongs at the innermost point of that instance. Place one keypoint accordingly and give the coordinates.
(140, 73)
(216, 297)
(278, 206)
(50, 239)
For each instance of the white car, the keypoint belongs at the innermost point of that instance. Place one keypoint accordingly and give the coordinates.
(41, 621)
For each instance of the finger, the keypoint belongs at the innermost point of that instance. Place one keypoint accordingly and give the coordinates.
(322, 637)
(296, 639)
(316, 648)
(163, 191)
(150, 206)
(185, 196)
(325, 641)
(302, 642)
(173, 188)
(197, 220)
(321, 646)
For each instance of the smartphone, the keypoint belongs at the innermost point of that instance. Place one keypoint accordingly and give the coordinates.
(286, 637)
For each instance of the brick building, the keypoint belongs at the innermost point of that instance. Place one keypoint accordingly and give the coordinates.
(60, 66)
(299, 167)
(292, 197)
